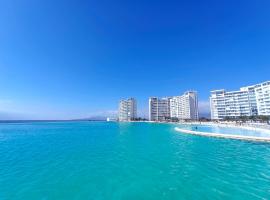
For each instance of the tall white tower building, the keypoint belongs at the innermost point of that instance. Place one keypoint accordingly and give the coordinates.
(262, 95)
(180, 107)
(185, 106)
(159, 108)
(127, 110)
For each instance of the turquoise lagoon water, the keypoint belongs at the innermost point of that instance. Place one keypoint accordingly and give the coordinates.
(99, 160)
(226, 130)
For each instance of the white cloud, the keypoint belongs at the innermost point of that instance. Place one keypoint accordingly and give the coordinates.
(104, 113)
(5, 103)
(114, 113)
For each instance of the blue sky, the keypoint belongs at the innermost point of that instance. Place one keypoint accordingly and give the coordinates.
(72, 59)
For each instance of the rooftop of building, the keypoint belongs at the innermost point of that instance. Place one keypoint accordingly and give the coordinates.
(242, 89)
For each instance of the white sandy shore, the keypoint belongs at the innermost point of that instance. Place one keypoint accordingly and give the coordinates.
(248, 126)
(221, 135)
(253, 127)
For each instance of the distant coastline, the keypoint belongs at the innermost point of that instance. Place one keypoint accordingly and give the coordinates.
(68, 120)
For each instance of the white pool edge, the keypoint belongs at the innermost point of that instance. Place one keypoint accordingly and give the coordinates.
(243, 126)
(221, 135)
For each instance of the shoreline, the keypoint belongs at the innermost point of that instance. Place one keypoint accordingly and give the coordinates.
(222, 135)
(252, 127)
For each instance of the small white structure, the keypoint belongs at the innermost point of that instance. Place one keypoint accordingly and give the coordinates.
(109, 119)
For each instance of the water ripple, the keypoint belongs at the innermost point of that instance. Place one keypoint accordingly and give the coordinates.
(86, 160)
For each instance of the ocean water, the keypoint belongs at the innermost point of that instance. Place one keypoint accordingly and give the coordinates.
(107, 160)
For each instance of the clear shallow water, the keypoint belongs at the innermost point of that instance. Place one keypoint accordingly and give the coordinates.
(95, 160)
(225, 130)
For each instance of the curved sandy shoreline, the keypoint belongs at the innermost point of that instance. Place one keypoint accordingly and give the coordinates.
(228, 125)
(221, 135)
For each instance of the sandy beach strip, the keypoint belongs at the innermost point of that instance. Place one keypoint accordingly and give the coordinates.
(221, 135)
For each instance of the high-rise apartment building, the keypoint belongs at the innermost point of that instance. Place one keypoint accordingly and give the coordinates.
(185, 106)
(248, 101)
(180, 107)
(127, 110)
(159, 108)
(262, 94)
